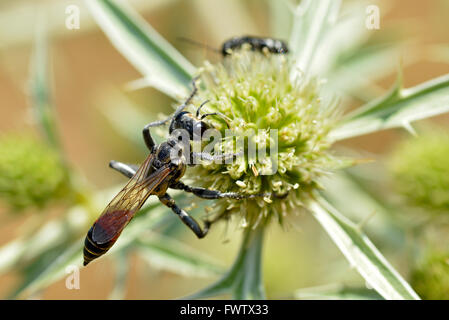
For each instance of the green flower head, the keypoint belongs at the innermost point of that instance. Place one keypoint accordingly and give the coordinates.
(31, 173)
(431, 278)
(256, 99)
(420, 170)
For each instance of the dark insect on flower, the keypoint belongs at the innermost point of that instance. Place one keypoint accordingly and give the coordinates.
(254, 43)
(162, 169)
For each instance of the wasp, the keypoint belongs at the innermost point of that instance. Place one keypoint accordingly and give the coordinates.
(162, 169)
(260, 44)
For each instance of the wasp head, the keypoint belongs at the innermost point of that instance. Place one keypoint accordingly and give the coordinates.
(192, 126)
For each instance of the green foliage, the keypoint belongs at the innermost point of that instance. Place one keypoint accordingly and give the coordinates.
(40, 84)
(313, 22)
(337, 292)
(31, 173)
(431, 278)
(361, 253)
(420, 171)
(396, 109)
(244, 278)
(162, 66)
(281, 95)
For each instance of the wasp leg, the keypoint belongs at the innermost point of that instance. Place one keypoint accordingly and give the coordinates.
(221, 115)
(189, 99)
(184, 216)
(225, 118)
(215, 194)
(157, 123)
(146, 130)
(207, 156)
(128, 170)
(147, 136)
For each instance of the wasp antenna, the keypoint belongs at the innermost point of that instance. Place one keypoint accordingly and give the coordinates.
(199, 108)
(199, 44)
(189, 99)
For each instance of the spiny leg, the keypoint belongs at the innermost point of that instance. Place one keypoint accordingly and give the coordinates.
(189, 99)
(128, 170)
(209, 157)
(157, 123)
(146, 130)
(147, 136)
(226, 119)
(215, 194)
(185, 217)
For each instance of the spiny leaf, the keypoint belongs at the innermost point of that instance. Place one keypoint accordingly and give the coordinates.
(168, 254)
(364, 207)
(121, 276)
(73, 254)
(40, 86)
(361, 253)
(162, 66)
(311, 19)
(397, 108)
(336, 292)
(27, 248)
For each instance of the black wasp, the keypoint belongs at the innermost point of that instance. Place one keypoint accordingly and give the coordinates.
(255, 43)
(156, 174)
(275, 46)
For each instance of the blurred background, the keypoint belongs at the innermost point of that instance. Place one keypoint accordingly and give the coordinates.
(96, 116)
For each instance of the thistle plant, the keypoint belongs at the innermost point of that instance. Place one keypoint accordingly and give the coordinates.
(430, 278)
(258, 91)
(255, 94)
(303, 96)
(31, 173)
(419, 174)
(419, 169)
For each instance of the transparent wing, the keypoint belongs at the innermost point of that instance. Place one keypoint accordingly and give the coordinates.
(128, 201)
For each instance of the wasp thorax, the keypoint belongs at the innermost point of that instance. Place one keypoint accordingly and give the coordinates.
(199, 128)
(188, 125)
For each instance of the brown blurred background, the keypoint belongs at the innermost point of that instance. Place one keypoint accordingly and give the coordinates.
(88, 74)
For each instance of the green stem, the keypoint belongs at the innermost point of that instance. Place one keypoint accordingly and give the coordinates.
(244, 279)
(247, 269)
(40, 87)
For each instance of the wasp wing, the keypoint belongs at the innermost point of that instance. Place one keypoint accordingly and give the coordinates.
(127, 202)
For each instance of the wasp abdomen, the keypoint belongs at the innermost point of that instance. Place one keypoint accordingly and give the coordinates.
(93, 250)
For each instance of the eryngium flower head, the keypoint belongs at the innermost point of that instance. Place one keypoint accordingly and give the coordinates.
(255, 92)
(420, 170)
(31, 173)
(431, 278)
